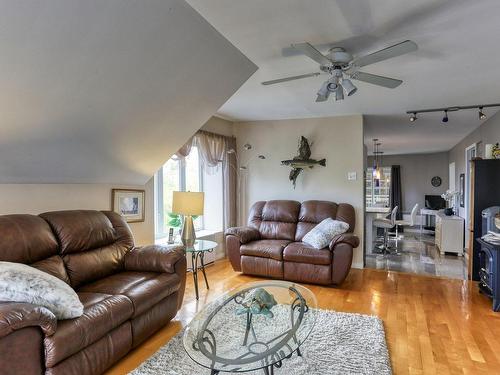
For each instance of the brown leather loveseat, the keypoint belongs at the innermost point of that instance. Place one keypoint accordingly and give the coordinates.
(128, 293)
(271, 244)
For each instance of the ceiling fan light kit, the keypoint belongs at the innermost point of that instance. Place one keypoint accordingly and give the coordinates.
(343, 68)
(348, 86)
(445, 110)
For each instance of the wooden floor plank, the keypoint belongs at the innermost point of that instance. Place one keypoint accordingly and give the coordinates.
(433, 325)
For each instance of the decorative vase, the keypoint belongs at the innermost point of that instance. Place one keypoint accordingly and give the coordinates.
(448, 211)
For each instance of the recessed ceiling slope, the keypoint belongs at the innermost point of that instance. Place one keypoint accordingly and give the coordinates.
(454, 65)
(105, 91)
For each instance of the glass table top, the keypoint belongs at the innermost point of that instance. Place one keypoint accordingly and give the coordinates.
(202, 245)
(224, 336)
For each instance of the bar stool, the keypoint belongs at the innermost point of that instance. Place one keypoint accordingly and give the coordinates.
(386, 224)
(406, 223)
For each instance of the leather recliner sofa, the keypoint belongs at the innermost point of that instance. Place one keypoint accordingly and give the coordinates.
(271, 245)
(128, 293)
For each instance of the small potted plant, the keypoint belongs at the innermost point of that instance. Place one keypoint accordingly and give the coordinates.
(449, 197)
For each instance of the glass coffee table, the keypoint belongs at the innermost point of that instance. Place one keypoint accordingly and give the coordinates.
(223, 337)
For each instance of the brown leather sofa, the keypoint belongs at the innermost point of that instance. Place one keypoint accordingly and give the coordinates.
(128, 293)
(271, 245)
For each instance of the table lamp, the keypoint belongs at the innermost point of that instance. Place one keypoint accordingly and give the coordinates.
(188, 203)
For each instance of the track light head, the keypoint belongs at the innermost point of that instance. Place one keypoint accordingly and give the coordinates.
(413, 117)
(481, 115)
(445, 118)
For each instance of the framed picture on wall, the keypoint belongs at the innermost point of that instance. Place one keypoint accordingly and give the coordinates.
(129, 203)
(462, 190)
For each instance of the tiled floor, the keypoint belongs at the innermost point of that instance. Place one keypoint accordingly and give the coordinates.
(419, 256)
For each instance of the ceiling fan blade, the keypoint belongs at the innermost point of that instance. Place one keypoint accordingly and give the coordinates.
(272, 82)
(390, 83)
(387, 53)
(321, 98)
(308, 50)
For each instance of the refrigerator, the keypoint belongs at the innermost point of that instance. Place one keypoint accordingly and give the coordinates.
(484, 193)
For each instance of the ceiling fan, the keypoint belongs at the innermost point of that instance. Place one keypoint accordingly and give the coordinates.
(343, 67)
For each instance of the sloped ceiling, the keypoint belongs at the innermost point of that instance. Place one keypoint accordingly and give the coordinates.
(104, 91)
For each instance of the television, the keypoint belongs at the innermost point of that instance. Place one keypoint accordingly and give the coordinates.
(434, 202)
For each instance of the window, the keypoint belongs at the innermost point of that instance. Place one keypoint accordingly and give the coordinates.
(187, 174)
(378, 190)
(176, 175)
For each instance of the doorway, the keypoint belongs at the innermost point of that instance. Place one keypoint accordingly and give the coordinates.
(470, 153)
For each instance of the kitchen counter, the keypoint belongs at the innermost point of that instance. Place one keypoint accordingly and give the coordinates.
(379, 210)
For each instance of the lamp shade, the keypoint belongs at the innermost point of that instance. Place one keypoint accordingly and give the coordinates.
(188, 203)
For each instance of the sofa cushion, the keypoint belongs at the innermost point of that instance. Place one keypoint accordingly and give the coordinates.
(144, 289)
(93, 243)
(92, 265)
(80, 230)
(26, 239)
(276, 219)
(265, 248)
(301, 252)
(322, 234)
(53, 266)
(102, 313)
(22, 283)
(311, 213)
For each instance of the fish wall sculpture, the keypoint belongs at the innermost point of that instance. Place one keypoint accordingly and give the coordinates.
(302, 161)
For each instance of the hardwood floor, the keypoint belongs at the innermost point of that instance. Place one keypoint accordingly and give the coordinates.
(433, 325)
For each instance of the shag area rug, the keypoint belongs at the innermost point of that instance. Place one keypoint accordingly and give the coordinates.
(339, 344)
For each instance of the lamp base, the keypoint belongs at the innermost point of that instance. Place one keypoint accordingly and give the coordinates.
(188, 234)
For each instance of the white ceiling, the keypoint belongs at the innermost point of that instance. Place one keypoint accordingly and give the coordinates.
(456, 64)
(99, 91)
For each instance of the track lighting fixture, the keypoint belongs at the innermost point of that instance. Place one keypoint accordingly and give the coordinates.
(445, 118)
(481, 115)
(479, 107)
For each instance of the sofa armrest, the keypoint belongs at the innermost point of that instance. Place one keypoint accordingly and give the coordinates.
(17, 315)
(154, 258)
(347, 238)
(244, 234)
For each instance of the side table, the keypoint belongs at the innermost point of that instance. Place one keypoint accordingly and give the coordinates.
(197, 252)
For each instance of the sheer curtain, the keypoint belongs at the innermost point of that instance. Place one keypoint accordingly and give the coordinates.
(213, 149)
(185, 150)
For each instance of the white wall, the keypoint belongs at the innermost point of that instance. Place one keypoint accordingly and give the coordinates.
(219, 126)
(338, 139)
(38, 198)
(488, 132)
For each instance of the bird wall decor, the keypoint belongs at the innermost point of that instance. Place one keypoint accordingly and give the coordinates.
(302, 161)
